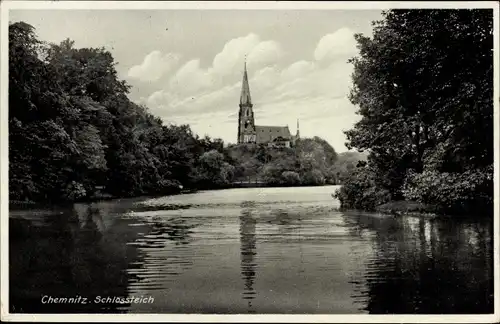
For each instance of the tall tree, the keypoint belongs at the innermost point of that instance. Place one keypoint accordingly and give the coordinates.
(424, 87)
(40, 145)
(73, 128)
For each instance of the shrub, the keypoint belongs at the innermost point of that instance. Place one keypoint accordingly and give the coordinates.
(290, 178)
(405, 207)
(359, 191)
(452, 192)
(271, 174)
(74, 191)
(212, 171)
(226, 174)
(313, 177)
(166, 186)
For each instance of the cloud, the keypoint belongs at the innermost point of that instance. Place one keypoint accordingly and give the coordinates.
(298, 69)
(315, 95)
(265, 53)
(340, 43)
(258, 52)
(226, 61)
(265, 79)
(190, 78)
(301, 79)
(167, 102)
(313, 91)
(160, 99)
(154, 66)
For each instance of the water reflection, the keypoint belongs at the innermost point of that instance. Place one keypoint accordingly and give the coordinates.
(248, 252)
(424, 266)
(174, 229)
(194, 256)
(69, 254)
(165, 255)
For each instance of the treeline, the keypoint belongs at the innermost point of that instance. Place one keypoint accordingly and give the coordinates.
(73, 130)
(74, 135)
(310, 162)
(424, 87)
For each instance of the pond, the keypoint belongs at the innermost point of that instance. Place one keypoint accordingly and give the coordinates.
(250, 250)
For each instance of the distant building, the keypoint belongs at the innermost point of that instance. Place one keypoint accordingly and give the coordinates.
(249, 133)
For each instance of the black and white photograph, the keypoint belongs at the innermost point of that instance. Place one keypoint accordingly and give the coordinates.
(297, 161)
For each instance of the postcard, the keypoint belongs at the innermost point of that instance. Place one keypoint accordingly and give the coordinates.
(249, 161)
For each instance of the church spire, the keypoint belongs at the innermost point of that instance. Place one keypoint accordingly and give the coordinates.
(298, 133)
(245, 98)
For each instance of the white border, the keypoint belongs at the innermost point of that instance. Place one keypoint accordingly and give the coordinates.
(241, 5)
(268, 5)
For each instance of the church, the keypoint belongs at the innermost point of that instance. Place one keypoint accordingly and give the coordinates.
(249, 133)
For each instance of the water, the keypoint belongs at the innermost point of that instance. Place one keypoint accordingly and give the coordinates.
(254, 250)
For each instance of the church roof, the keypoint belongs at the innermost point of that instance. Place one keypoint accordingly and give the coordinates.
(245, 98)
(266, 134)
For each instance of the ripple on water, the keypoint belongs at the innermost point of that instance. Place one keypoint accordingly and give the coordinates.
(265, 250)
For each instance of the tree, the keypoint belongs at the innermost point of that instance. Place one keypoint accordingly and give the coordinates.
(73, 132)
(271, 174)
(316, 159)
(423, 94)
(346, 163)
(40, 143)
(313, 178)
(213, 171)
(291, 178)
(72, 128)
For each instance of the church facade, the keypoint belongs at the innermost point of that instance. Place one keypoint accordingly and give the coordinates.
(249, 133)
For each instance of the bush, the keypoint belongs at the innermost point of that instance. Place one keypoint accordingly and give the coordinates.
(74, 191)
(166, 186)
(290, 178)
(451, 192)
(313, 178)
(359, 191)
(271, 174)
(212, 171)
(226, 174)
(405, 207)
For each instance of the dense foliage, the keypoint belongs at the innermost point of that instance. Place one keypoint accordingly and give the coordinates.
(74, 134)
(424, 87)
(310, 162)
(346, 163)
(359, 190)
(72, 129)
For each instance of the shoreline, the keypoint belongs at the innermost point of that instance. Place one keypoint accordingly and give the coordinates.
(400, 208)
(107, 197)
(404, 208)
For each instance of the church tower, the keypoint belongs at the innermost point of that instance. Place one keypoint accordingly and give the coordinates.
(246, 120)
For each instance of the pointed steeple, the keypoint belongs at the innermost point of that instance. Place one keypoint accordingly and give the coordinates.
(245, 98)
(298, 132)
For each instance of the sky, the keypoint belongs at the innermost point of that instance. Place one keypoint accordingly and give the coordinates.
(186, 66)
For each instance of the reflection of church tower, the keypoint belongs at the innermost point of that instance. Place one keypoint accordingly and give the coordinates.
(248, 253)
(246, 120)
